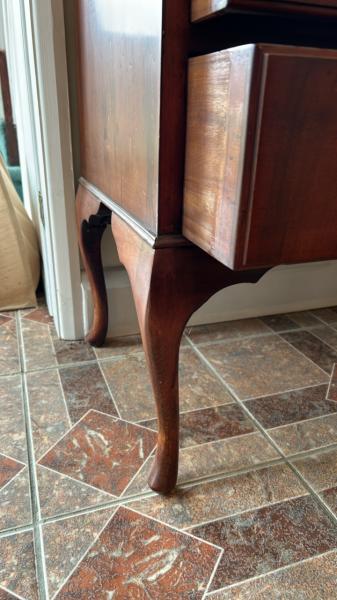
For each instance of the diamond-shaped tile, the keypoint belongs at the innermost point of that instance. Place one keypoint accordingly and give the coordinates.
(61, 494)
(136, 557)
(8, 469)
(102, 451)
(67, 541)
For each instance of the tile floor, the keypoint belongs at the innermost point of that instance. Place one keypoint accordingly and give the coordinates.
(255, 512)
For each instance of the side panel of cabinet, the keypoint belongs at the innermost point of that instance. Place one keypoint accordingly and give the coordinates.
(261, 177)
(119, 47)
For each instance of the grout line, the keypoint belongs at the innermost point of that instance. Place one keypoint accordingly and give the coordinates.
(83, 555)
(14, 594)
(113, 400)
(305, 356)
(16, 530)
(265, 433)
(240, 338)
(217, 562)
(253, 508)
(331, 382)
(320, 318)
(149, 494)
(190, 410)
(268, 573)
(11, 457)
(324, 341)
(295, 389)
(21, 472)
(148, 458)
(170, 526)
(77, 481)
(64, 398)
(303, 421)
(140, 351)
(35, 504)
(63, 435)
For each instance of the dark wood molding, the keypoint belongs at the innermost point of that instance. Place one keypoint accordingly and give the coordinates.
(92, 219)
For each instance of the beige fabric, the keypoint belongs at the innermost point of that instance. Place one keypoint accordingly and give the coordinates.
(19, 249)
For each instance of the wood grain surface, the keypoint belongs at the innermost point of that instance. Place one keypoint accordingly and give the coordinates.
(261, 181)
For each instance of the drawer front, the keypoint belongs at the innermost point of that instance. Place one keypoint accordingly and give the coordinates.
(203, 9)
(261, 155)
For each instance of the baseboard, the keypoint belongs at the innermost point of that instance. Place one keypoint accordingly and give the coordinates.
(283, 289)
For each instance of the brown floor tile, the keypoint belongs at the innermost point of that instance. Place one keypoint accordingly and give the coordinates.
(71, 352)
(66, 542)
(314, 579)
(40, 315)
(304, 318)
(259, 541)
(326, 334)
(225, 331)
(102, 451)
(289, 407)
(84, 388)
(129, 382)
(210, 424)
(48, 411)
(136, 557)
(6, 595)
(306, 435)
(4, 319)
(332, 391)
(330, 497)
(279, 322)
(319, 469)
(208, 501)
(119, 346)
(12, 424)
(312, 347)
(9, 350)
(8, 469)
(15, 507)
(17, 565)
(327, 315)
(224, 456)
(38, 347)
(60, 494)
(262, 365)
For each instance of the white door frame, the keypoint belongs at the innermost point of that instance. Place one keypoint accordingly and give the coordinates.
(36, 51)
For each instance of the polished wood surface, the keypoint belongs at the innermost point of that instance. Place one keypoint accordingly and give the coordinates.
(168, 285)
(203, 9)
(127, 70)
(261, 178)
(92, 219)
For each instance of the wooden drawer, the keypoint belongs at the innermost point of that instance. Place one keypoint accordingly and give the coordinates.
(203, 9)
(261, 155)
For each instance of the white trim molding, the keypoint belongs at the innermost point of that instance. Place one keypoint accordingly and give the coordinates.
(36, 50)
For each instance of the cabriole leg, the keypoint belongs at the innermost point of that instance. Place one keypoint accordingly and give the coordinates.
(92, 219)
(168, 285)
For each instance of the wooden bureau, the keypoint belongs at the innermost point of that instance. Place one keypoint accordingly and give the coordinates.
(208, 138)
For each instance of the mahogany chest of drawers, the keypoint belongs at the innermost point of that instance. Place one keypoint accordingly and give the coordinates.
(208, 138)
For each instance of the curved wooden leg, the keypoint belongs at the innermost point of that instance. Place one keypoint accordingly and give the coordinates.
(168, 285)
(92, 219)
